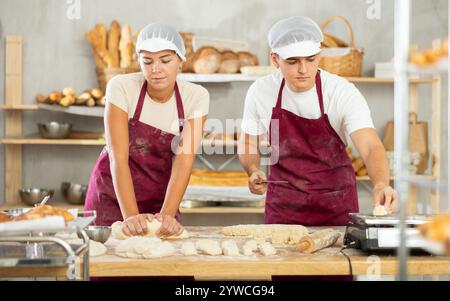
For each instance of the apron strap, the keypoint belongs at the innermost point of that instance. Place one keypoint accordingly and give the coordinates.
(319, 92)
(280, 94)
(318, 89)
(180, 108)
(140, 104)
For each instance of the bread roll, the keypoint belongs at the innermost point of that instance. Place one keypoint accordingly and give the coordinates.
(101, 102)
(96, 93)
(67, 101)
(90, 102)
(68, 92)
(207, 60)
(247, 59)
(41, 99)
(230, 62)
(55, 97)
(113, 43)
(81, 99)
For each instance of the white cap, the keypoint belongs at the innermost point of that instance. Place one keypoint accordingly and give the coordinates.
(157, 37)
(295, 37)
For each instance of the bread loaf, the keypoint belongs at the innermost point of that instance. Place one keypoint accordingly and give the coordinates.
(113, 43)
(43, 211)
(126, 47)
(4, 217)
(207, 60)
(230, 62)
(247, 59)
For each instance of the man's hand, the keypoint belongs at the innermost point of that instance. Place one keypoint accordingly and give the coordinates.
(136, 224)
(386, 196)
(255, 182)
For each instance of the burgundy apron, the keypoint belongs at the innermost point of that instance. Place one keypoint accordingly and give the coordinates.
(321, 187)
(150, 161)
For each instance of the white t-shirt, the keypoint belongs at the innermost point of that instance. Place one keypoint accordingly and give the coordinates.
(123, 91)
(345, 106)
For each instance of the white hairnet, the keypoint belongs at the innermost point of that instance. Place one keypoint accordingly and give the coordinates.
(295, 37)
(157, 37)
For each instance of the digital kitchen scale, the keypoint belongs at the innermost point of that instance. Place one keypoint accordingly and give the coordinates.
(368, 232)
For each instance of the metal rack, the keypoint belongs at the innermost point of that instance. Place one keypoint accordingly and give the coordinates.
(42, 248)
(404, 181)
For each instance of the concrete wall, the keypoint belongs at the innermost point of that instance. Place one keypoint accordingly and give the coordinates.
(56, 55)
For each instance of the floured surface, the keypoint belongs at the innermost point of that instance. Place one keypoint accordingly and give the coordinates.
(284, 251)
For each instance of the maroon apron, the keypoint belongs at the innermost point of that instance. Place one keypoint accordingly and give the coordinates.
(150, 162)
(321, 188)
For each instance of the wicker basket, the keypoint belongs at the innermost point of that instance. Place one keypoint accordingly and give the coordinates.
(104, 75)
(345, 61)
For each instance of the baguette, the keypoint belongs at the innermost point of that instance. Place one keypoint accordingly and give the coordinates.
(126, 47)
(113, 43)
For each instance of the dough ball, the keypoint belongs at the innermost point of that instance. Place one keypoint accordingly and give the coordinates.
(379, 210)
(209, 247)
(188, 249)
(96, 248)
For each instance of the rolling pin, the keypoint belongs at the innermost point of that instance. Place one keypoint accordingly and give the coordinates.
(318, 240)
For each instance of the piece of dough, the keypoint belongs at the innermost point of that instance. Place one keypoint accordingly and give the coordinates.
(249, 247)
(209, 247)
(276, 233)
(152, 227)
(379, 210)
(230, 248)
(96, 248)
(267, 249)
(144, 247)
(188, 249)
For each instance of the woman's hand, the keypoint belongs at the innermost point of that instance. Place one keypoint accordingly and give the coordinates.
(136, 224)
(169, 226)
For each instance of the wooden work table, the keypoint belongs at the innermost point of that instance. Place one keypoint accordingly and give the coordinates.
(287, 261)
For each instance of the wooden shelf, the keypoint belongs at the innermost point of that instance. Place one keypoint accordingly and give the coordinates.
(32, 140)
(36, 140)
(201, 210)
(22, 107)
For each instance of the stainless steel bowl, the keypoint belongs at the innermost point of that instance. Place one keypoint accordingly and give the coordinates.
(54, 130)
(33, 196)
(74, 193)
(98, 233)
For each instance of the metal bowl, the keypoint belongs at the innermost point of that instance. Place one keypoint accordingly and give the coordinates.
(74, 193)
(33, 196)
(98, 233)
(54, 130)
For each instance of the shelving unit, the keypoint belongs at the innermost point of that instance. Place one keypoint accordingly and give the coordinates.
(14, 140)
(403, 104)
